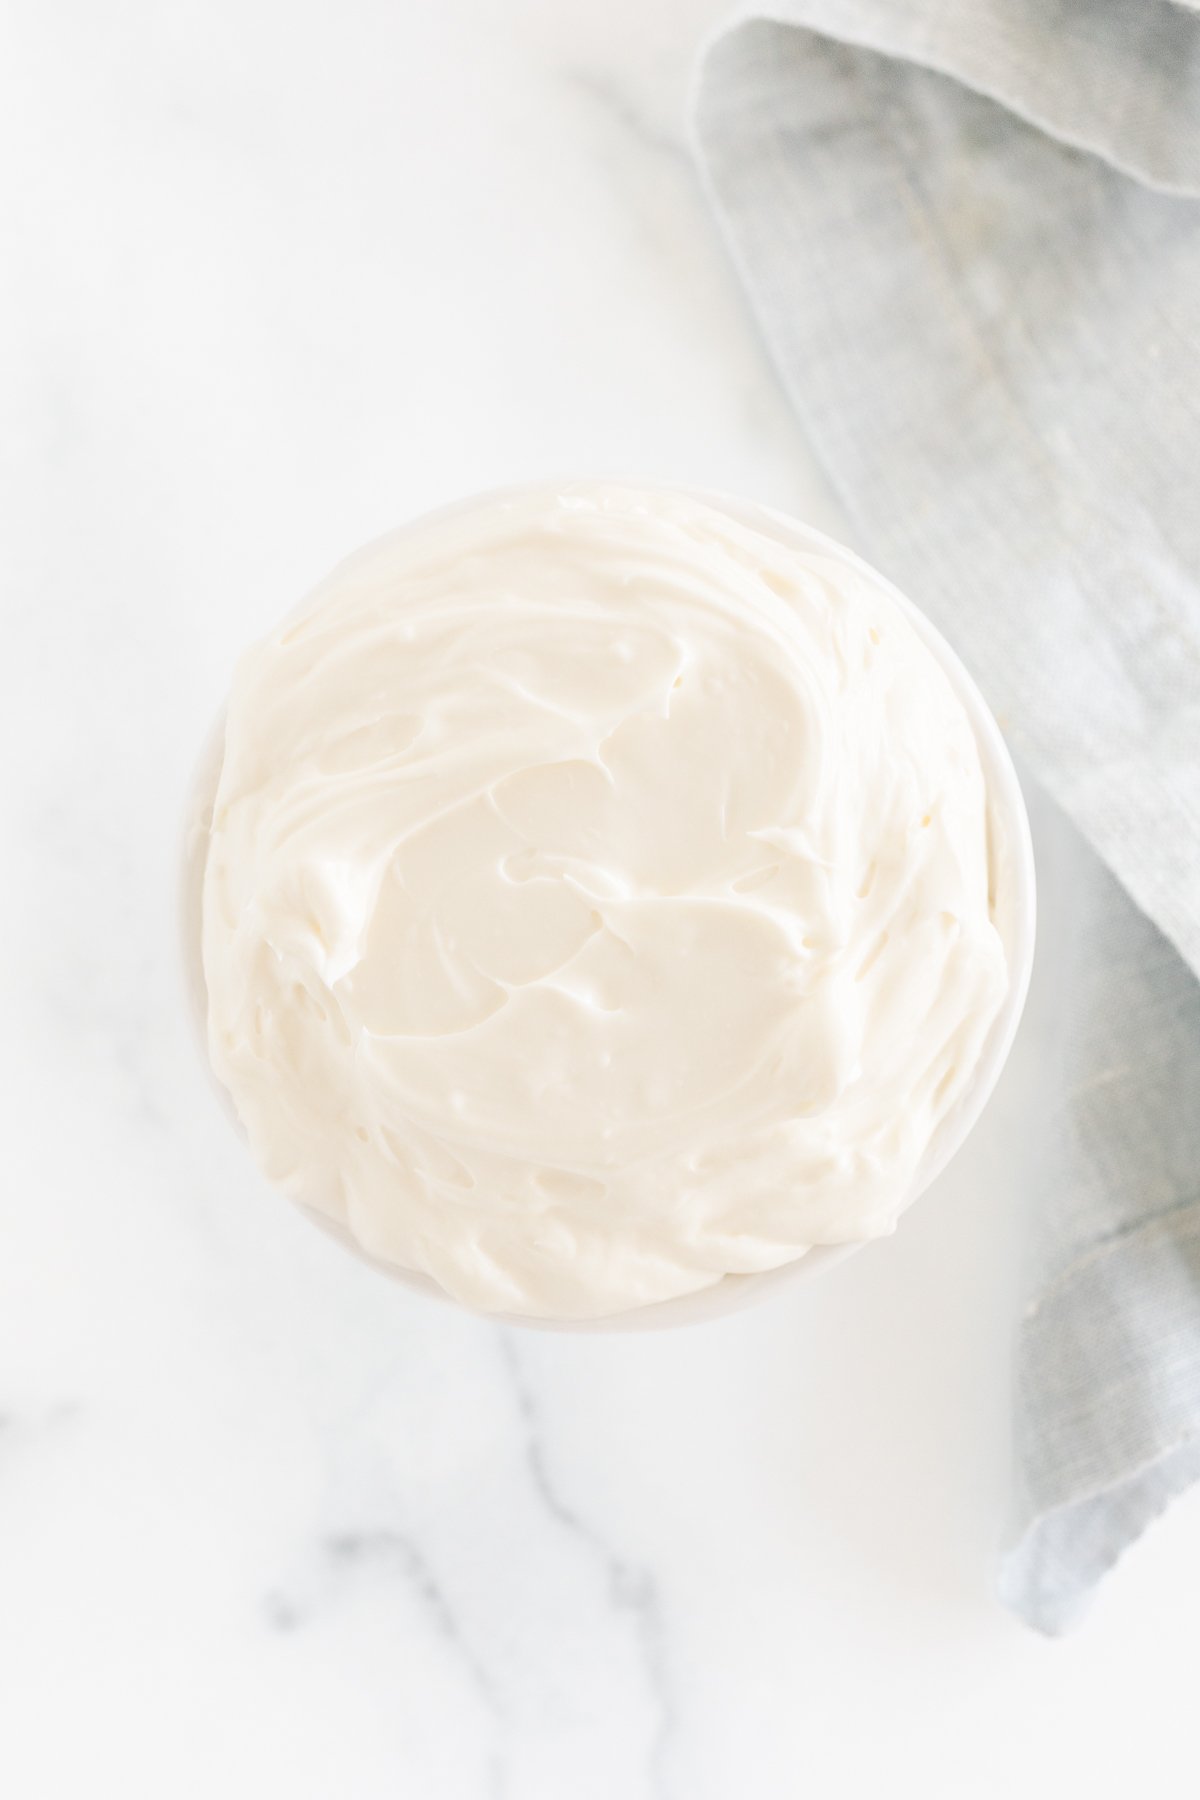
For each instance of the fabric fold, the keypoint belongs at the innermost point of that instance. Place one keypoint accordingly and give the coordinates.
(1117, 78)
(968, 236)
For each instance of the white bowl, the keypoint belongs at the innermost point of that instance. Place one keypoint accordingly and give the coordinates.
(1014, 909)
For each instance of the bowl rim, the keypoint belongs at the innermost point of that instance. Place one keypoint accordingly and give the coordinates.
(1013, 906)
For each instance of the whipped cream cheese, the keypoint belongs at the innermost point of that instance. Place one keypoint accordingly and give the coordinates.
(596, 901)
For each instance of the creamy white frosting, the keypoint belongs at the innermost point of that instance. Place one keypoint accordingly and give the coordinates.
(596, 900)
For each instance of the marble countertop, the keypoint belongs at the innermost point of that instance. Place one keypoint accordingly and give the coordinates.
(280, 277)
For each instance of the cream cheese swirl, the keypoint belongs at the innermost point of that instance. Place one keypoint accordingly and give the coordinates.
(596, 901)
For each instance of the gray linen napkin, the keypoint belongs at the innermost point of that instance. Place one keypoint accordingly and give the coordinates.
(971, 235)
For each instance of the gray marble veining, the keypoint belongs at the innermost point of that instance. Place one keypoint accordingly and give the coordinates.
(267, 1524)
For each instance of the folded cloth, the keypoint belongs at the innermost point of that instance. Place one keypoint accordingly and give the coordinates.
(971, 236)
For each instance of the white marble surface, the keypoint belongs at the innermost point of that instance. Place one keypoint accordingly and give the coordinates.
(278, 276)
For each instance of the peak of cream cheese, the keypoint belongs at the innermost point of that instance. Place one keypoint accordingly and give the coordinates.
(596, 901)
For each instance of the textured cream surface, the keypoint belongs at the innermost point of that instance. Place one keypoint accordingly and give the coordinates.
(597, 900)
